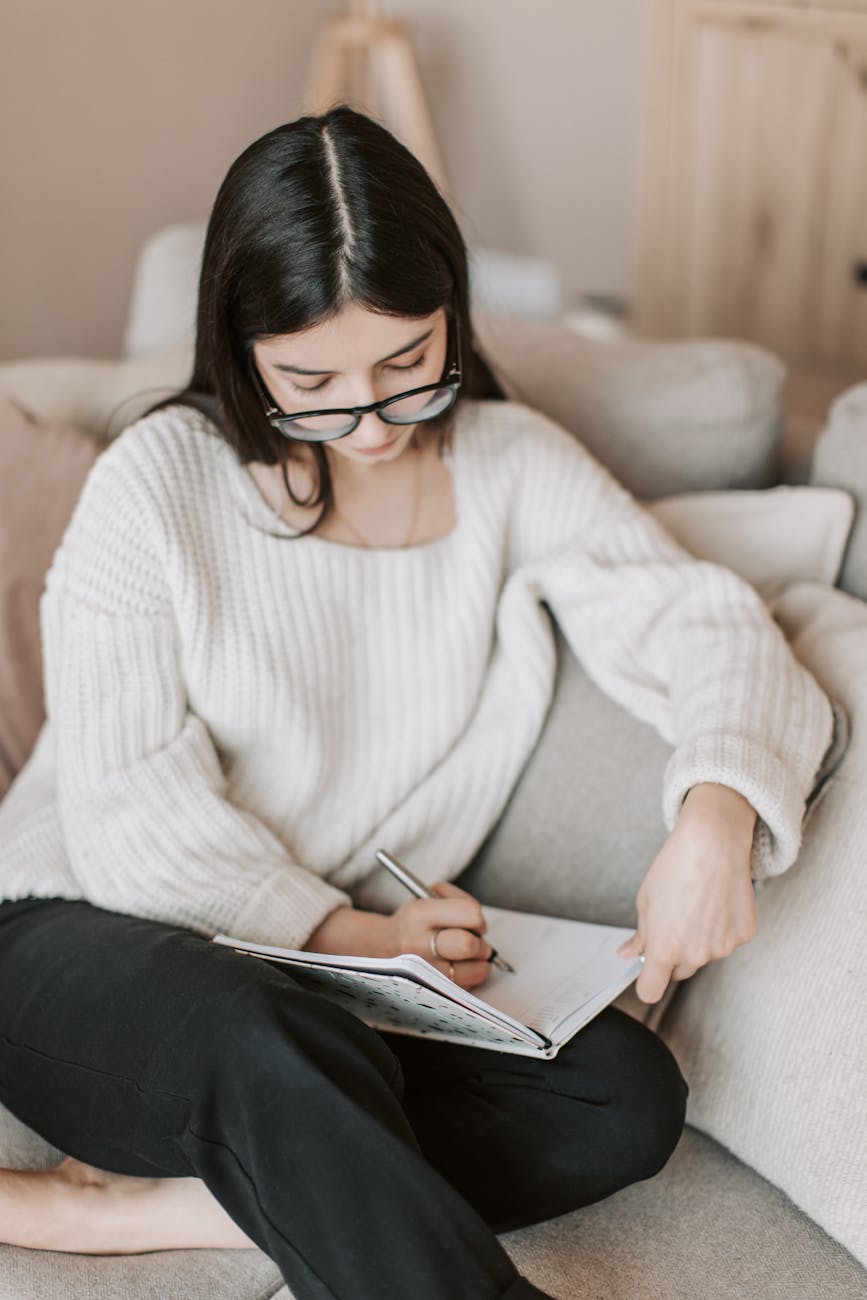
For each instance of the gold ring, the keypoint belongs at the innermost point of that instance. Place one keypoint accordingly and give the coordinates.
(433, 945)
(451, 970)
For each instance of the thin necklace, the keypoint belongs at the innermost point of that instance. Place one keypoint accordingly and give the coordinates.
(278, 509)
(412, 522)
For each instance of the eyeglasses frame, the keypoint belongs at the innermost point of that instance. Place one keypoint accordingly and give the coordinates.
(452, 379)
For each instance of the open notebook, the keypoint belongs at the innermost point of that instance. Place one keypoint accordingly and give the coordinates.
(566, 972)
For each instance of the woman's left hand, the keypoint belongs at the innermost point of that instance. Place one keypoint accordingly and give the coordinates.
(696, 903)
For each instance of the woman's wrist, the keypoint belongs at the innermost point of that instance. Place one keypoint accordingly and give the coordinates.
(351, 930)
(721, 811)
(721, 799)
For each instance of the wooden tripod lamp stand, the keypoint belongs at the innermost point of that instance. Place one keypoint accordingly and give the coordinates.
(366, 60)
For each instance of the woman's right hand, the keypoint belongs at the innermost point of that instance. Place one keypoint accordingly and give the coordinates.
(455, 917)
(457, 920)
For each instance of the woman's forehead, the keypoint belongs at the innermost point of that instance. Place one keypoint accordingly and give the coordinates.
(355, 338)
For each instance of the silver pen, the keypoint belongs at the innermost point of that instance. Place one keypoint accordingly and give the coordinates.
(420, 889)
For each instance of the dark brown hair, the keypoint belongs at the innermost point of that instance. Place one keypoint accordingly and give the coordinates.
(318, 213)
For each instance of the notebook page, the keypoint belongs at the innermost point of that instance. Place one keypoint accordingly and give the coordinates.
(560, 965)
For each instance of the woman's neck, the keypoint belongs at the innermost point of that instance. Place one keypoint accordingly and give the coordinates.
(404, 502)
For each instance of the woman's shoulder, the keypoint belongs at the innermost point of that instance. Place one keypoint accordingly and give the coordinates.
(132, 510)
(159, 470)
(159, 450)
(513, 430)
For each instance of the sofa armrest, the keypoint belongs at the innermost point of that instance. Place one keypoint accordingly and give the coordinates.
(771, 1039)
(840, 460)
(98, 396)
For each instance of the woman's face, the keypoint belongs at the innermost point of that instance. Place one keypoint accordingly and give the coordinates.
(355, 358)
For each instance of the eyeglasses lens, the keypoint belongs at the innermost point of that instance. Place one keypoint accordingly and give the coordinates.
(423, 406)
(403, 410)
(318, 428)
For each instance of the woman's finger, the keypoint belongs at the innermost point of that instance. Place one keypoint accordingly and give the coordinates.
(653, 979)
(632, 947)
(469, 974)
(461, 945)
(462, 912)
(445, 889)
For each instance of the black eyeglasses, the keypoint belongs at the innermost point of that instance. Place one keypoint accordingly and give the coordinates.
(412, 407)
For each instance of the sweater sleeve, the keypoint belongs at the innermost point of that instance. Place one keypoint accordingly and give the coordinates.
(141, 798)
(686, 646)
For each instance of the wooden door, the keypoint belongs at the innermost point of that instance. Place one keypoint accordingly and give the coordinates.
(754, 220)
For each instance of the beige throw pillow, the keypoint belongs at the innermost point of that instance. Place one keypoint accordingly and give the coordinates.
(770, 538)
(42, 472)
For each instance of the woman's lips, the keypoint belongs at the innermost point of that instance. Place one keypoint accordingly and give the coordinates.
(374, 451)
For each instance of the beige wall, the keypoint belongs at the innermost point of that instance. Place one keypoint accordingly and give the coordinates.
(119, 118)
(536, 104)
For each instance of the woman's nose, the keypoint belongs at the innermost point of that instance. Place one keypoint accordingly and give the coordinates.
(371, 431)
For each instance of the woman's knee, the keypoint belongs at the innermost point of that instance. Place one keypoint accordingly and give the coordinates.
(639, 1092)
(648, 1096)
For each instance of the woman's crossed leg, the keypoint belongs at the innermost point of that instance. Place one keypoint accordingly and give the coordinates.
(146, 1051)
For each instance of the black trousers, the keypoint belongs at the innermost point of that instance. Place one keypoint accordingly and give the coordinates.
(368, 1166)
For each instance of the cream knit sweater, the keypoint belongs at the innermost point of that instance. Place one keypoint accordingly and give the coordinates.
(236, 721)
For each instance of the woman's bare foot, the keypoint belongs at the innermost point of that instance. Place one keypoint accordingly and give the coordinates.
(78, 1208)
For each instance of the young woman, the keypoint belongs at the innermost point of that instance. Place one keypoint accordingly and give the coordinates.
(296, 617)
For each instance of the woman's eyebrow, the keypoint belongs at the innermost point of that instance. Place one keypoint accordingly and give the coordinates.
(300, 370)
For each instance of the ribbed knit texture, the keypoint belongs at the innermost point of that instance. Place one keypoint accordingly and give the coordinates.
(237, 721)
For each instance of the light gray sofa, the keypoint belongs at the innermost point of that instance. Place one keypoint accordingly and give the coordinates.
(765, 1197)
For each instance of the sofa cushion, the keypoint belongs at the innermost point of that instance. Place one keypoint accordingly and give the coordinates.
(665, 417)
(771, 538)
(21, 1148)
(162, 311)
(772, 1038)
(158, 1275)
(705, 1226)
(100, 397)
(42, 470)
(840, 460)
(585, 819)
